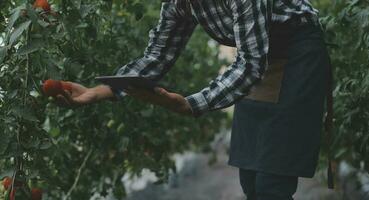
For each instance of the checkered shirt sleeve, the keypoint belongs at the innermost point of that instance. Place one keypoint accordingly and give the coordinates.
(166, 41)
(251, 34)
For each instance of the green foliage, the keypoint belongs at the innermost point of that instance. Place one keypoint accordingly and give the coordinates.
(77, 152)
(347, 32)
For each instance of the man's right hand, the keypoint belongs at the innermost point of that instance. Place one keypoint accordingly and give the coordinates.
(80, 95)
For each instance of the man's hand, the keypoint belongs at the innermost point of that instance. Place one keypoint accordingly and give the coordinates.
(80, 95)
(171, 101)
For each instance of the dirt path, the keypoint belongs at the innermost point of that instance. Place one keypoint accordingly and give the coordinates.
(201, 182)
(220, 182)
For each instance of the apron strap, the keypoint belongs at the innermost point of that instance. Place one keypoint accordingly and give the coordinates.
(329, 123)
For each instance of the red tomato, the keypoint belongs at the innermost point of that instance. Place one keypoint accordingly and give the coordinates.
(66, 86)
(42, 4)
(12, 194)
(7, 182)
(52, 87)
(36, 194)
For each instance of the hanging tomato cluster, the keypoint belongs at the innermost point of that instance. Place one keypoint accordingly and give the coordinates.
(10, 189)
(43, 4)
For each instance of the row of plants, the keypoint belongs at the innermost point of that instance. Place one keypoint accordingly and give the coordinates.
(74, 153)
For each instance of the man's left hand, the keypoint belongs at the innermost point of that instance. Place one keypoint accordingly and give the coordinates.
(171, 101)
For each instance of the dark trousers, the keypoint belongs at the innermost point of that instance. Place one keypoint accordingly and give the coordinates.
(265, 186)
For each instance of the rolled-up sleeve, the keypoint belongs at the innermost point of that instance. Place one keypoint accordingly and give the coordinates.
(166, 41)
(251, 35)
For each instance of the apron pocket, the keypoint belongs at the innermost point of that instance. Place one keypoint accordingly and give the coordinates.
(268, 89)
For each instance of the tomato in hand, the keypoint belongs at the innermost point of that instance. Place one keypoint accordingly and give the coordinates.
(52, 87)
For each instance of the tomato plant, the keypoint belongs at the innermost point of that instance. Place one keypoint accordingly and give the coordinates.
(74, 153)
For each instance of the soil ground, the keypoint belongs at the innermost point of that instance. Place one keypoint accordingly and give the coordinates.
(220, 182)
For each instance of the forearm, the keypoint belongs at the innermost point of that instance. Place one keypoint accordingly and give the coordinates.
(103, 92)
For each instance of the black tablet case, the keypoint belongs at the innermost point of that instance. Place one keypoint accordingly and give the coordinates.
(123, 82)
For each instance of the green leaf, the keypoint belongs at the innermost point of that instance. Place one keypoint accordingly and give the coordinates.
(13, 18)
(32, 13)
(52, 70)
(31, 47)
(72, 68)
(82, 25)
(24, 113)
(340, 152)
(46, 125)
(45, 144)
(34, 93)
(124, 142)
(353, 3)
(33, 143)
(139, 10)
(147, 113)
(86, 9)
(18, 31)
(33, 174)
(12, 94)
(3, 52)
(120, 128)
(68, 114)
(5, 139)
(43, 23)
(55, 132)
(77, 3)
(110, 123)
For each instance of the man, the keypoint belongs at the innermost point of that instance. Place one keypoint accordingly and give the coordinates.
(277, 120)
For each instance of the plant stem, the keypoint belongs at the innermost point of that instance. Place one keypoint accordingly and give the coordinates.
(78, 175)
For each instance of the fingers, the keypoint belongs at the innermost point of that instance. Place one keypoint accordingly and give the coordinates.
(60, 100)
(161, 91)
(165, 98)
(65, 99)
(74, 89)
(67, 93)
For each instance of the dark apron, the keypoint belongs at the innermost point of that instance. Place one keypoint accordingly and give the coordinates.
(277, 128)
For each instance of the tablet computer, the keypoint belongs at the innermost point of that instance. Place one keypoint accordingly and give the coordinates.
(123, 82)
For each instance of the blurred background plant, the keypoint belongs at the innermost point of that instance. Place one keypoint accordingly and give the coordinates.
(346, 23)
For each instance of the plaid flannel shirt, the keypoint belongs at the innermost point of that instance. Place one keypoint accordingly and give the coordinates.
(240, 23)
